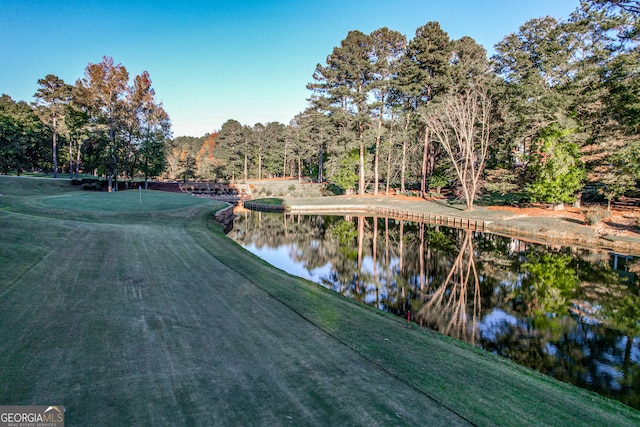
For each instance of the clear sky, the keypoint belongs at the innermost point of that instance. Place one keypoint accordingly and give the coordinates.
(211, 61)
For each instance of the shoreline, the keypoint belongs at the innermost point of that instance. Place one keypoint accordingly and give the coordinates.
(539, 229)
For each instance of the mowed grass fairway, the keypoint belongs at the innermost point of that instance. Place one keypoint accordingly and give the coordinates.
(132, 313)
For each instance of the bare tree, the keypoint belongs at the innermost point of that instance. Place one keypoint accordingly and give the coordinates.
(462, 124)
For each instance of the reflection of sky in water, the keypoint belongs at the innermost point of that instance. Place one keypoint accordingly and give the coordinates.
(610, 373)
(279, 257)
(495, 323)
(608, 367)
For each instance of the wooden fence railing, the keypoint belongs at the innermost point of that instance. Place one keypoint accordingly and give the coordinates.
(426, 217)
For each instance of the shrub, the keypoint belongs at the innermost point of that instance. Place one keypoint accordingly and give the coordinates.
(331, 189)
(83, 181)
(92, 185)
(437, 182)
(594, 215)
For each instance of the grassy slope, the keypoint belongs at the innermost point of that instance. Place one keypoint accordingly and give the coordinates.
(152, 318)
(481, 387)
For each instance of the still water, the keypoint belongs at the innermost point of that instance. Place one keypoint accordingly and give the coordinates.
(567, 312)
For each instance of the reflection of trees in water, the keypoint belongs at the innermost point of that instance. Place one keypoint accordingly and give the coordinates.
(563, 311)
(549, 284)
(574, 324)
(347, 238)
(618, 314)
(539, 299)
(453, 307)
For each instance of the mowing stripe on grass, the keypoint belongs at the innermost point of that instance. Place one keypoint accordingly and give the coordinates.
(376, 363)
(154, 319)
(137, 324)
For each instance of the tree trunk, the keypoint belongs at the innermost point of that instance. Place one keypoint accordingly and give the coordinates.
(70, 158)
(388, 167)
(404, 156)
(128, 175)
(284, 163)
(425, 154)
(246, 172)
(320, 164)
(55, 148)
(77, 159)
(376, 176)
(578, 200)
(114, 169)
(361, 179)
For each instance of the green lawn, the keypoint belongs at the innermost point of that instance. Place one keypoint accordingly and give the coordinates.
(133, 201)
(269, 201)
(131, 316)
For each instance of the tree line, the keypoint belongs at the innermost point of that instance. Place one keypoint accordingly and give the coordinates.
(105, 124)
(552, 115)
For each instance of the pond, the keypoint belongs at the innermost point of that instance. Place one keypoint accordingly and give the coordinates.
(567, 312)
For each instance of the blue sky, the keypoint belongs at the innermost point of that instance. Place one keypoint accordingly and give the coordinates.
(211, 61)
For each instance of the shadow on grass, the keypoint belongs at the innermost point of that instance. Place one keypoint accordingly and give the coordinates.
(448, 203)
(623, 227)
(496, 199)
(575, 221)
